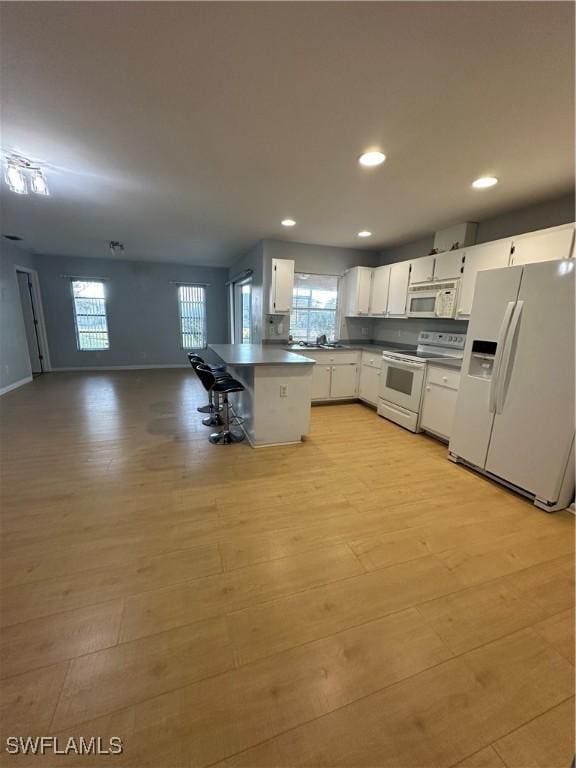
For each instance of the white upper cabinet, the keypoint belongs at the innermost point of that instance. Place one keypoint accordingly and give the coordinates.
(379, 294)
(422, 270)
(356, 291)
(282, 286)
(544, 245)
(448, 265)
(478, 257)
(398, 288)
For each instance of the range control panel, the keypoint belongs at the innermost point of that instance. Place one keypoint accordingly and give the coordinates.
(451, 340)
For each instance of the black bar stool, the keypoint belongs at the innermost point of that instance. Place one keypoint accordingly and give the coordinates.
(213, 406)
(222, 387)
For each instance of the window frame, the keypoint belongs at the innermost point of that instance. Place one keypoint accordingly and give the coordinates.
(310, 310)
(102, 282)
(204, 302)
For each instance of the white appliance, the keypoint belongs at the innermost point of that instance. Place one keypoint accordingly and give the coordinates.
(514, 418)
(403, 373)
(437, 299)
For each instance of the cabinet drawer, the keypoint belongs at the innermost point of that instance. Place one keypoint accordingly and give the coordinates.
(373, 359)
(443, 377)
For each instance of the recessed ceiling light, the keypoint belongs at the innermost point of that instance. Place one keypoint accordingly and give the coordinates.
(288, 223)
(370, 159)
(484, 182)
(364, 233)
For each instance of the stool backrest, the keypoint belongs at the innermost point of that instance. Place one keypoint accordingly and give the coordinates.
(195, 360)
(206, 376)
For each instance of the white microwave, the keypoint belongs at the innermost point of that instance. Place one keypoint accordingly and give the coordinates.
(433, 299)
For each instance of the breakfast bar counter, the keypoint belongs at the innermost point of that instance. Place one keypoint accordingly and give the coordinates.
(275, 404)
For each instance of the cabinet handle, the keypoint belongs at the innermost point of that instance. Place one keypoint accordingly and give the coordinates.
(427, 389)
(444, 378)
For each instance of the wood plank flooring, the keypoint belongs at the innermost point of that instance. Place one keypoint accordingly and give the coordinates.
(357, 600)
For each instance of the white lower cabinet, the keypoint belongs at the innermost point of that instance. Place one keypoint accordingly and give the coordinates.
(321, 376)
(335, 375)
(440, 395)
(344, 381)
(369, 384)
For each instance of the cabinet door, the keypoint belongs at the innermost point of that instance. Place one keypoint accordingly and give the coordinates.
(448, 265)
(356, 293)
(364, 288)
(479, 257)
(321, 382)
(545, 245)
(369, 384)
(398, 290)
(422, 270)
(344, 381)
(379, 294)
(438, 409)
(282, 286)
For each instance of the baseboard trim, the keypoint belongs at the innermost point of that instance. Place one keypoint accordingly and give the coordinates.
(116, 368)
(15, 385)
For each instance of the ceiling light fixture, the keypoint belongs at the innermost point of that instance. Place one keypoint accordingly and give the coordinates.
(372, 158)
(38, 183)
(116, 247)
(288, 223)
(364, 233)
(16, 170)
(484, 182)
(15, 178)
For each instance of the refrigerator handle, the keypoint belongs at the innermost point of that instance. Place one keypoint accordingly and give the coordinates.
(506, 355)
(498, 357)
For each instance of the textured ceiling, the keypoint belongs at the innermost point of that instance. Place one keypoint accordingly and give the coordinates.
(189, 130)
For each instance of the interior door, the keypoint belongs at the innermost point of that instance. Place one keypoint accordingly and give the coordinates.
(495, 290)
(29, 314)
(532, 435)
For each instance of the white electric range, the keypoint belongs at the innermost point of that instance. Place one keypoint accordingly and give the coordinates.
(404, 372)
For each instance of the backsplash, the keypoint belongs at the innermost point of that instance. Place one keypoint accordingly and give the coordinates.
(406, 330)
(396, 330)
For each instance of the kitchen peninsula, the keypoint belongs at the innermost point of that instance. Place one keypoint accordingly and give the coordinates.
(275, 404)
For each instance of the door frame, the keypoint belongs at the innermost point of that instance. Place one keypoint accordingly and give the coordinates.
(39, 309)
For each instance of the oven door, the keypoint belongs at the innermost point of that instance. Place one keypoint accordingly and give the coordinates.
(401, 382)
(422, 304)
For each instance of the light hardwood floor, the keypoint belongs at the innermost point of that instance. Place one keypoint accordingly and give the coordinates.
(357, 600)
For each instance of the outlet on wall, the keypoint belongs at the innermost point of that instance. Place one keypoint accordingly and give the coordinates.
(283, 390)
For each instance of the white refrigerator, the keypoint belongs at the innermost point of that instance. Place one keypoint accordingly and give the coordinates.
(514, 417)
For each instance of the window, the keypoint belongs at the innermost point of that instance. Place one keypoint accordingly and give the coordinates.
(90, 315)
(314, 307)
(246, 312)
(192, 303)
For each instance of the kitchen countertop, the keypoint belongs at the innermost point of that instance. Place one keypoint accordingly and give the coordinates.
(447, 362)
(352, 346)
(257, 354)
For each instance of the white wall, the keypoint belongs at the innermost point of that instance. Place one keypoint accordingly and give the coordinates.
(14, 357)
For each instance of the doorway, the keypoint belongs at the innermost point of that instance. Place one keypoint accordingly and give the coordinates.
(33, 319)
